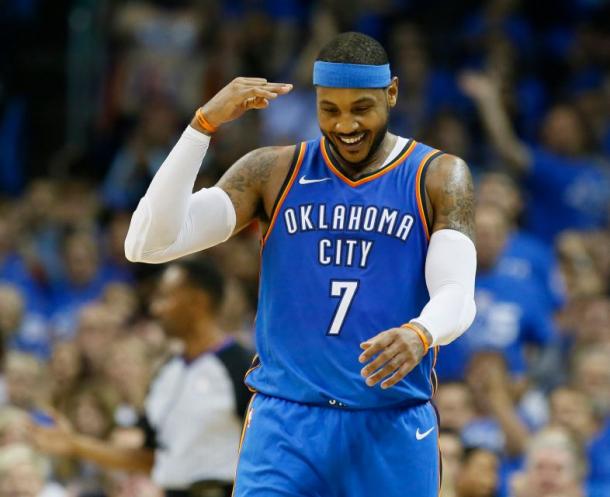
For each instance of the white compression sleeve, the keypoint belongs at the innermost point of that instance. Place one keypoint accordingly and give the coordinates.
(170, 220)
(451, 265)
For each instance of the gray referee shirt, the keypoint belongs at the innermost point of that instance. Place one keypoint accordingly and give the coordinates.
(193, 417)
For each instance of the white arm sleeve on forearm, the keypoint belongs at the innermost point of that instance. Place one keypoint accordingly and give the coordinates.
(451, 265)
(170, 220)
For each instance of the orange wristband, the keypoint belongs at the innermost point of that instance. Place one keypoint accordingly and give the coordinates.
(203, 122)
(420, 334)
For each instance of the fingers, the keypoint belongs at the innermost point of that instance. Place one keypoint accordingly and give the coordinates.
(374, 345)
(256, 103)
(390, 367)
(402, 371)
(384, 356)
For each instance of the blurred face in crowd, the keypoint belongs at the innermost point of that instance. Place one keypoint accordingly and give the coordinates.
(594, 325)
(478, 476)
(127, 358)
(11, 310)
(25, 377)
(359, 116)
(21, 480)
(572, 410)
(491, 232)
(65, 364)
(122, 299)
(89, 414)
(592, 375)
(484, 366)
(552, 470)
(128, 485)
(40, 200)
(177, 304)
(450, 135)
(98, 327)
(81, 258)
(497, 189)
(5, 237)
(14, 426)
(454, 403)
(563, 131)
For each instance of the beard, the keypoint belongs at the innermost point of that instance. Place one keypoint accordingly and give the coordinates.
(377, 140)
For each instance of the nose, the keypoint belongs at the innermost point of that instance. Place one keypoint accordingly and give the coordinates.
(346, 125)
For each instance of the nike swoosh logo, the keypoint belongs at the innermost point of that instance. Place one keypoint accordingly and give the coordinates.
(304, 181)
(421, 436)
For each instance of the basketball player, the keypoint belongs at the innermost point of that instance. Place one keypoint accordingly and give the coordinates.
(367, 259)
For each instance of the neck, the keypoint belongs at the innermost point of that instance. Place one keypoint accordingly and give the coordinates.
(371, 163)
(207, 336)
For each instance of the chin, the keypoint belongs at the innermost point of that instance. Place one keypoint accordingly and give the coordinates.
(353, 157)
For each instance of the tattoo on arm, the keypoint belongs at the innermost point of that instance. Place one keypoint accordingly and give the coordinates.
(244, 180)
(452, 194)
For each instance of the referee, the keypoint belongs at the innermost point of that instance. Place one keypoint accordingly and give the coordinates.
(195, 404)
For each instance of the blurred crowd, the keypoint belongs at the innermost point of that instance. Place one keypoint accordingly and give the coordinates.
(94, 94)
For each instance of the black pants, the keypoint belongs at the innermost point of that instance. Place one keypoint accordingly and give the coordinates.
(203, 489)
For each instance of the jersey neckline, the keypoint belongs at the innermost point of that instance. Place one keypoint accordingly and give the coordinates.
(336, 168)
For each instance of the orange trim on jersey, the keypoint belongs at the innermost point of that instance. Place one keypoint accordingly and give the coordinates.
(244, 427)
(440, 454)
(381, 172)
(433, 377)
(278, 207)
(256, 363)
(420, 205)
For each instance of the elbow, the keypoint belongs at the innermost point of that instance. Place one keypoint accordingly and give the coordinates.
(131, 254)
(469, 313)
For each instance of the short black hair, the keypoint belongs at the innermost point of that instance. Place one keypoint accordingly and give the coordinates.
(354, 48)
(204, 275)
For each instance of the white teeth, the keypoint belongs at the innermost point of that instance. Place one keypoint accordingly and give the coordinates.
(352, 140)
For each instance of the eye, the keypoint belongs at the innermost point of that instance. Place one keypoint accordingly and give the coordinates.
(329, 110)
(362, 109)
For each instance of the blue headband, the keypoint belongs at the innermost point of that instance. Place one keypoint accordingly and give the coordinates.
(339, 75)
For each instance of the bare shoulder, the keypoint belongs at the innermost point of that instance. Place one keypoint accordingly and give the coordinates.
(251, 180)
(450, 188)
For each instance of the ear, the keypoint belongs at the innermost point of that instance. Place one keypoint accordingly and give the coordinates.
(392, 92)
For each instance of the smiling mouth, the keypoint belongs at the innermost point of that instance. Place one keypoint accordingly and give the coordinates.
(351, 140)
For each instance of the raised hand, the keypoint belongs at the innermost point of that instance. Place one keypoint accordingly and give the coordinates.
(478, 86)
(397, 351)
(240, 95)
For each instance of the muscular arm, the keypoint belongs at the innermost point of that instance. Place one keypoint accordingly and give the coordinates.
(171, 221)
(451, 193)
(253, 182)
(451, 259)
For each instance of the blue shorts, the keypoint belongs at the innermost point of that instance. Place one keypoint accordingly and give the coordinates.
(297, 450)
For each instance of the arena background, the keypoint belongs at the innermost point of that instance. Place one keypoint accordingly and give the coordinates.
(94, 93)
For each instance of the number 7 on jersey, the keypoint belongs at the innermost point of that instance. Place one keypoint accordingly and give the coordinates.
(345, 290)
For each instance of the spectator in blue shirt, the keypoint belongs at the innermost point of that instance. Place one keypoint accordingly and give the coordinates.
(510, 314)
(21, 330)
(13, 268)
(566, 186)
(524, 257)
(83, 281)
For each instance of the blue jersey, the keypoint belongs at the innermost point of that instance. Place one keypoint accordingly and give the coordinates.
(342, 261)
